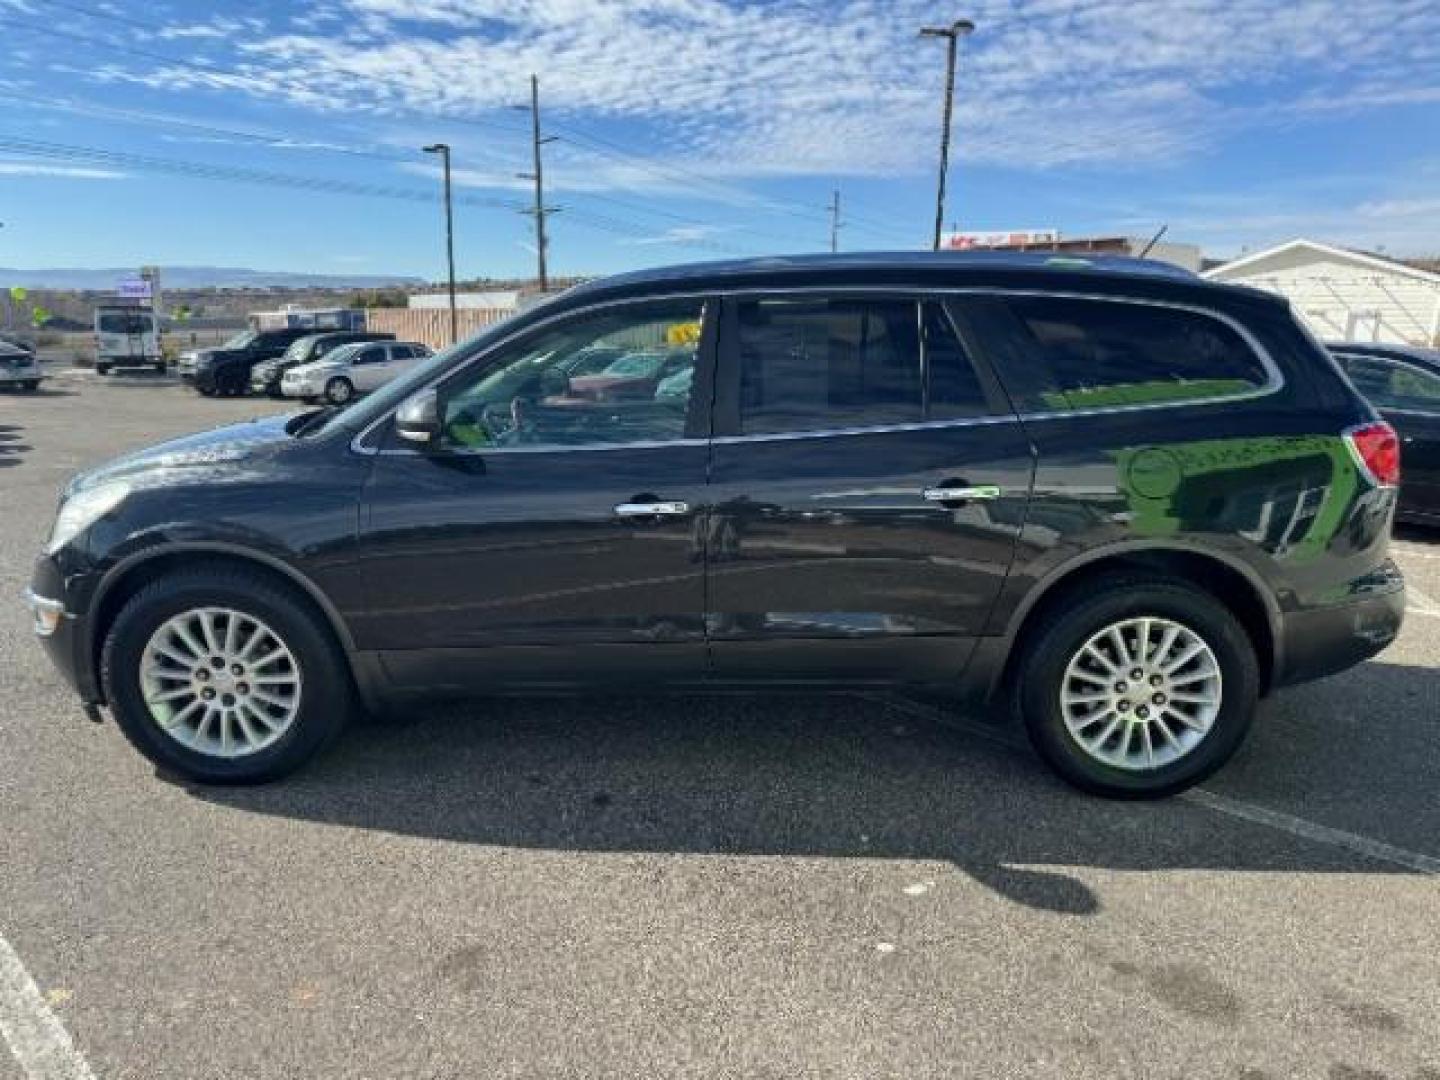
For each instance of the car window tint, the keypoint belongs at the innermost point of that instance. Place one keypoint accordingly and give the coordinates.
(1064, 353)
(955, 391)
(817, 364)
(528, 396)
(1394, 386)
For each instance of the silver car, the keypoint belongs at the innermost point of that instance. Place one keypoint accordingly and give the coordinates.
(352, 369)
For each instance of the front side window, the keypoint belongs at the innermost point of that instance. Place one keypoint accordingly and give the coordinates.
(530, 395)
(1391, 385)
(374, 354)
(1057, 353)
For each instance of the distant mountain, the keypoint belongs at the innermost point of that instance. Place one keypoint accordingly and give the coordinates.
(197, 277)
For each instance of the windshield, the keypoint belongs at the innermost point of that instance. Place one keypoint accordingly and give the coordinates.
(340, 354)
(122, 321)
(299, 349)
(240, 340)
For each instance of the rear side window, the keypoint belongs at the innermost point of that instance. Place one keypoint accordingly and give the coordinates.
(819, 365)
(810, 365)
(1057, 353)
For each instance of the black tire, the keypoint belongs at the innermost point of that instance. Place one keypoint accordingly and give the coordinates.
(326, 695)
(102, 369)
(31, 385)
(160, 367)
(339, 390)
(1102, 602)
(205, 391)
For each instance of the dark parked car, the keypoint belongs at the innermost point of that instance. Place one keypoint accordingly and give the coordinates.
(226, 370)
(1125, 501)
(18, 367)
(265, 377)
(1403, 382)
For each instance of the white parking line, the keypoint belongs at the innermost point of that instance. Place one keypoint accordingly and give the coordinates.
(34, 1034)
(1221, 804)
(1419, 603)
(1415, 553)
(1323, 834)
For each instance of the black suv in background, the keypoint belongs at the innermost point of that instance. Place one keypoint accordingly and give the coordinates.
(265, 377)
(1403, 382)
(226, 370)
(1123, 500)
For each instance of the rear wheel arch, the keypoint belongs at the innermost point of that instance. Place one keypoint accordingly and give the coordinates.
(1232, 585)
(131, 576)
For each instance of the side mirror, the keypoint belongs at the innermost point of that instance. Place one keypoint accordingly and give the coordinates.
(418, 418)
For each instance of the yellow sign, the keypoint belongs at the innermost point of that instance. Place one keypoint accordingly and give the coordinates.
(685, 333)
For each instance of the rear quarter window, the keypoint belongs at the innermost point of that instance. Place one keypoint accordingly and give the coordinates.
(1061, 354)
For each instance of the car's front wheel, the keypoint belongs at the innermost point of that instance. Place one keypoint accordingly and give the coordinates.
(339, 390)
(223, 677)
(1139, 687)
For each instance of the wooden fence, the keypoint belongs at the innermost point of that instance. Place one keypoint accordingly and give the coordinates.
(431, 325)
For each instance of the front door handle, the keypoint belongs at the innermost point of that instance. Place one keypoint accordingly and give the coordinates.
(652, 509)
(961, 494)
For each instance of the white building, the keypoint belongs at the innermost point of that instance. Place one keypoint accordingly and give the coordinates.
(493, 300)
(1345, 295)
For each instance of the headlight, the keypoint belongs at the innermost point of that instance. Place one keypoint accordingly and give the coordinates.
(79, 512)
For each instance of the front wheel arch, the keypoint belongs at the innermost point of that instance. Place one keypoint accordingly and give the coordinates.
(132, 575)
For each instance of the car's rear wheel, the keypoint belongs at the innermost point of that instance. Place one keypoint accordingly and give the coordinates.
(102, 369)
(223, 677)
(339, 390)
(31, 384)
(1139, 687)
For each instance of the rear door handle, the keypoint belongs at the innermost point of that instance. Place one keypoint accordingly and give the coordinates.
(652, 509)
(961, 494)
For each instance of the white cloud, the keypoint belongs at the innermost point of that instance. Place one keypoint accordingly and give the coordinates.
(73, 172)
(843, 87)
(680, 234)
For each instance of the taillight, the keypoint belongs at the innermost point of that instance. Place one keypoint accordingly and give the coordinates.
(1377, 450)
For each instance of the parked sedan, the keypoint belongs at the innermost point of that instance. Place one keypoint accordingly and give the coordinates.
(352, 369)
(1403, 382)
(18, 367)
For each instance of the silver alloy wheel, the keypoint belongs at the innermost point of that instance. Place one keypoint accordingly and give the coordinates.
(1142, 693)
(338, 391)
(220, 682)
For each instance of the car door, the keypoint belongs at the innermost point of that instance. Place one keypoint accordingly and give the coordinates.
(1408, 396)
(550, 539)
(368, 366)
(867, 483)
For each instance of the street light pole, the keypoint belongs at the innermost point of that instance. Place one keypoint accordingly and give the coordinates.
(952, 35)
(443, 149)
(834, 221)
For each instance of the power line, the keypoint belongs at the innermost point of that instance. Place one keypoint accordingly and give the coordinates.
(99, 156)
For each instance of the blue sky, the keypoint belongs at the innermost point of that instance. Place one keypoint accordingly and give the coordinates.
(285, 136)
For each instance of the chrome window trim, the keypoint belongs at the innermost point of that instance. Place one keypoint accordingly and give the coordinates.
(1275, 379)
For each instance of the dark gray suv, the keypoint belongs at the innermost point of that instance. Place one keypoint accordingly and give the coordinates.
(1125, 502)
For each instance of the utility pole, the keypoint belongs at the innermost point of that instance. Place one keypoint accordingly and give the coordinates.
(835, 221)
(443, 149)
(540, 210)
(952, 35)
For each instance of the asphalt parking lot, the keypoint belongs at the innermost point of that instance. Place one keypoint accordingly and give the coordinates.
(753, 887)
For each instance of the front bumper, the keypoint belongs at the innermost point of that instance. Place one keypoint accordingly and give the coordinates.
(1326, 640)
(63, 634)
(300, 388)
